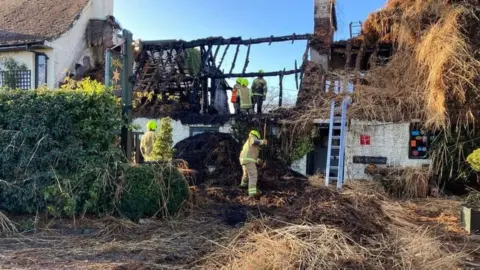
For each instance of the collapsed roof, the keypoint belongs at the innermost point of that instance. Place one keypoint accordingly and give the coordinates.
(432, 73)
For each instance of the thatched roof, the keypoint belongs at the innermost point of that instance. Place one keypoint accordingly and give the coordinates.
(33, 21)
(434, 72)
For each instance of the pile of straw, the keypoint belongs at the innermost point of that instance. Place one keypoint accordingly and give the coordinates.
(432, 75)
(407, 183)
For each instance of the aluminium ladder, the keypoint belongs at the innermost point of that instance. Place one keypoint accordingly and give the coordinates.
(336, 152)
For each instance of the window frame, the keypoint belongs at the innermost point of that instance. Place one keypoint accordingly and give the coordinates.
(204, 129)
(37, 58)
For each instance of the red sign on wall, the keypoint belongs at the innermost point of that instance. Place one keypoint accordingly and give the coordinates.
(364, 140)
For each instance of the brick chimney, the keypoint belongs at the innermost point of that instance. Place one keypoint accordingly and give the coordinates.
(324, 28)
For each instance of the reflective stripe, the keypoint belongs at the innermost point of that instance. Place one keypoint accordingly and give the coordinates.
(252, 191)
(242, 160)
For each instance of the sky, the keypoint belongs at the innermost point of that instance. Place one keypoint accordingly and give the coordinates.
(193, 19)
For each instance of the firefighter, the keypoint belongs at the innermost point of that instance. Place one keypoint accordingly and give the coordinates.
(146, 145)
(249, 160)
(235, 96)
(245, 97)
(259, 89)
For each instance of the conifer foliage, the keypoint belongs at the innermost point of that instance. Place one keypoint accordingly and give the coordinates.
(163, 145)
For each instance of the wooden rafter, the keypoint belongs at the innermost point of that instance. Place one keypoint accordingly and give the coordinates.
(218, 41)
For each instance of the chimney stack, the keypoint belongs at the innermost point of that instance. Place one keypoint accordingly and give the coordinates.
(324, 28)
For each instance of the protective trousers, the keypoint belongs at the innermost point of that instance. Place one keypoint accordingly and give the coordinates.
(250, 174)
(258, 102)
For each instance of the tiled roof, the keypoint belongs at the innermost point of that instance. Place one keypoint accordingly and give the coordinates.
(30, 21)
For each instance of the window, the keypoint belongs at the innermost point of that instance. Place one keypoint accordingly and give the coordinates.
(40, 69)
(198, 130)
(419, 142)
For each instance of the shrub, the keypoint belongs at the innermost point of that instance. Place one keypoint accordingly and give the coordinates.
(163, 145)
(150, 190)
(54, 146)
(474, 160)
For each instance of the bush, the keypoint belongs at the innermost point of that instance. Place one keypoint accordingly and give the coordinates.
(474, 160)
(163, 145)
(55, 148)
(150, 190)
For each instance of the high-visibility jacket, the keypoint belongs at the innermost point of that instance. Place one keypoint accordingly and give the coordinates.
(259, 87)
(235, 93)
(250, 150)
(245, 97)
(146, 145)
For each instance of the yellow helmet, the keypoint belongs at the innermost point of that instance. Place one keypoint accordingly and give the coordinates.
(244, 82)
(255, 133)
(239, 80)
(261, 71)
(151, 125)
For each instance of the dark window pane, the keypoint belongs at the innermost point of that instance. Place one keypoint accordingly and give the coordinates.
(41, 70)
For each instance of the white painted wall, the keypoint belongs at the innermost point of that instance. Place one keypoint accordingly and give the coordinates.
(70, 47)
(390, 140)
(180, 131)
(300, 165)
(23, 57)
(67, 49)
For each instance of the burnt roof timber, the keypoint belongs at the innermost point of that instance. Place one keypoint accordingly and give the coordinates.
(218, 41)
(232, 75)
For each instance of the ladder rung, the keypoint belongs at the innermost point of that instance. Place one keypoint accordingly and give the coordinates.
(333, 167)
(336, 137)
(337, 118)
(337, 127)
(335, 147)
(333, 178)
(334, 157)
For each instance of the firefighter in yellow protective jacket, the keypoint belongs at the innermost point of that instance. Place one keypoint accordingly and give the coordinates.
(245, 95)
(235, 95)
(146, 145)
(249, 160)
(259, 90)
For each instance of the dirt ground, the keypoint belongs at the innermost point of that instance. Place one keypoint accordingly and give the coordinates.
(219, 215)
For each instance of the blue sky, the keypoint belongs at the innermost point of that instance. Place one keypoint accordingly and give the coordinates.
(192, 19)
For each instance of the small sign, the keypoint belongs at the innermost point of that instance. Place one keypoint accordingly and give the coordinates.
(115, 70)
(369, 160)
(364, 140)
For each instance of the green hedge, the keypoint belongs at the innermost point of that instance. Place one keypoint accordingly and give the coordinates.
(50, 139)
(57, 153)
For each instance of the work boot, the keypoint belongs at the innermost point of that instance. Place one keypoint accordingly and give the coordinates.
(255, 196)
(243, 185)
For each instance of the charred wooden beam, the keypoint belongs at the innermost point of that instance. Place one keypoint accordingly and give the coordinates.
(348, 54)
(296, 75)
(212, 75)
(247, 59)
(280, 96)
(218, 41)
(180, 61)
(374, 57)
(223, 56)
(360, 56)
(235, 58)
(254, 74)
(216, 54)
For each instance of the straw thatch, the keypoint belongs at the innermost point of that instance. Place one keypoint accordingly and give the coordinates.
(433, 73)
